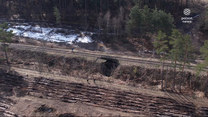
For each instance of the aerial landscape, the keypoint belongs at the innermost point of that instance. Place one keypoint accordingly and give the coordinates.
(103, 58)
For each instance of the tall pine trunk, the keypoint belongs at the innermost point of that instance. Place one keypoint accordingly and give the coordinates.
(7, 59)
(174, 75)
(184, 63)
(162, 76)
(166, 76)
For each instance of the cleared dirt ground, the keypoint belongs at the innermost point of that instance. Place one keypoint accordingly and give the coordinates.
(26, 92)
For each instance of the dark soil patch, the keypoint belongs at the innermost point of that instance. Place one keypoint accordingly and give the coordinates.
(45, 109)
(11, 83)
(67, 115)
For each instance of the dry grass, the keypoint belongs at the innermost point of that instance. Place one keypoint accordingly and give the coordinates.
(148, 77)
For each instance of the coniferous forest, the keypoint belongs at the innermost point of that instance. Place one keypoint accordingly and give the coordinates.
(77, 11)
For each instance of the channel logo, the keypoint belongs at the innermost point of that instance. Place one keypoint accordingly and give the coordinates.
(187, 19)
(187, 11)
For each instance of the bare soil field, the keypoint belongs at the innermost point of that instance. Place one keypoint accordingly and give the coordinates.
(47, 85)
(27, 95)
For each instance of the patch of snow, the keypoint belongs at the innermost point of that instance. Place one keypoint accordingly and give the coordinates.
(51, 34)
(58, 38)
(33, 35)
(15, 31)
(22, 27)
(85, 39)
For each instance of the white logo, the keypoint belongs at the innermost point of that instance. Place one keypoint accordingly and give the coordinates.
(186, 11)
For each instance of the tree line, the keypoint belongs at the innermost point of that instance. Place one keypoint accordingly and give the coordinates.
(83, 12)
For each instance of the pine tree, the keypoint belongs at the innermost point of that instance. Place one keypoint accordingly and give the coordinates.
(187, 54)
(5, 39)
(175, 51)
(134, 24)
(204, 52)
(161, 46)
(205, 26)
(107, 19)
(187, 50)
(57, 14)
(162, 21)
(181, 51)
(145, 20)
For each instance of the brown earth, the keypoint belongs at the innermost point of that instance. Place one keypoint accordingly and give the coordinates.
(59, 95)
(76, 86)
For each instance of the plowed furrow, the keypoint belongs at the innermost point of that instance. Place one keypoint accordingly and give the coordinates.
(106, 98)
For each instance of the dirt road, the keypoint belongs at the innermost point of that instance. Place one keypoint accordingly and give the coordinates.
(93, 55)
